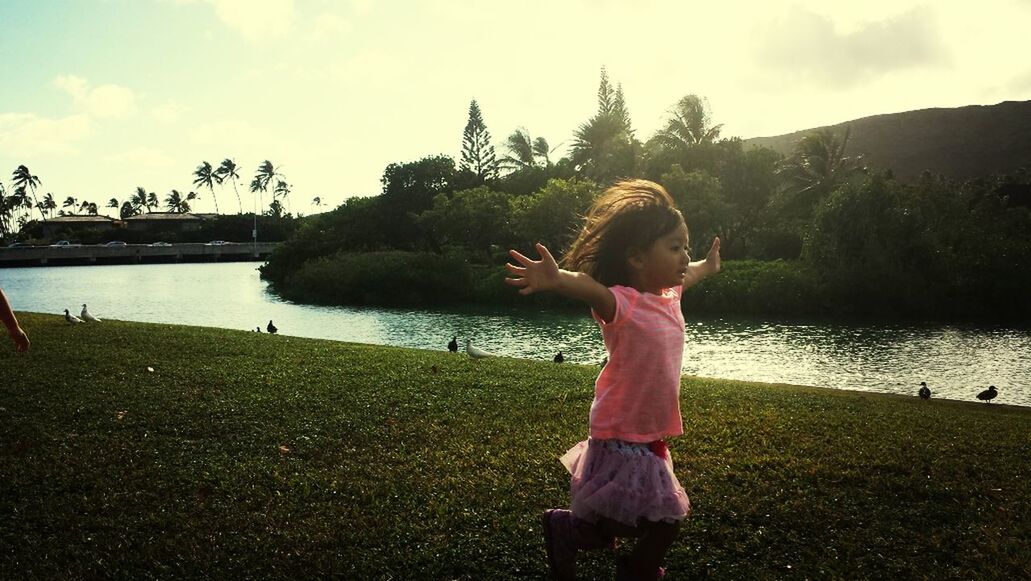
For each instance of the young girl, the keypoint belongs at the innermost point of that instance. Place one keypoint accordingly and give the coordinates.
(630, 263)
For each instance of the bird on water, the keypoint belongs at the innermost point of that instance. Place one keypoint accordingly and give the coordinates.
(924, 392)
(988, 395)
(271, 328)
(452, 345)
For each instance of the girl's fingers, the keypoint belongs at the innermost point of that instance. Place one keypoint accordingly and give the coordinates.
(520, 258)
(515, 269)
(544, 252)
(516, 281)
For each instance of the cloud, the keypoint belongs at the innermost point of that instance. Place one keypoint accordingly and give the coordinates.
(327, 26)
(168, 112)
(256, 20)
(26, 134)
(103, 102)
(142, 157)
(809, 45)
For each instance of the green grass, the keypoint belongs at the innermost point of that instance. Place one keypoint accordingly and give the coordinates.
(393, 471)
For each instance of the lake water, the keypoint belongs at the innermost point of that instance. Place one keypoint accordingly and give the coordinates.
(957, 361)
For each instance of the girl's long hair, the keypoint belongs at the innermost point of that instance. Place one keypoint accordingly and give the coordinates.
(628, 217)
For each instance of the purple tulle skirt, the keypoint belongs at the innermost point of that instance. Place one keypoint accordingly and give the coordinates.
(624, 481)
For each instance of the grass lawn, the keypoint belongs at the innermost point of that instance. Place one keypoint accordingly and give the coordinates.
(245, 455)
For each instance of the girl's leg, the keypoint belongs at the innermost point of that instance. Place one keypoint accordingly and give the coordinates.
(653, 541)
(565, 535)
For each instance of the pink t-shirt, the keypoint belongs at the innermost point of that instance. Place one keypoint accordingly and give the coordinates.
(637, 395)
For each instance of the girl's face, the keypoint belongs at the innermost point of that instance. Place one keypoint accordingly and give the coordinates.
(664, 263)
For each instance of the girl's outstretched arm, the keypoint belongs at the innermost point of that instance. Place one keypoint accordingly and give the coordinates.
(545, 275)
(698, 270)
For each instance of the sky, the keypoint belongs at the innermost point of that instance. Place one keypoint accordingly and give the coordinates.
(101, 96)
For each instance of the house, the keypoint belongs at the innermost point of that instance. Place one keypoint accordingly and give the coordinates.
(72, 224)
(165, 221)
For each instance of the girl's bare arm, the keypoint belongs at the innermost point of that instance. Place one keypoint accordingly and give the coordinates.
(545, 275)
(698, 270)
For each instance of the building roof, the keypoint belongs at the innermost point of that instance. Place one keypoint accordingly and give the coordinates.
(81, 219)
(164, 217)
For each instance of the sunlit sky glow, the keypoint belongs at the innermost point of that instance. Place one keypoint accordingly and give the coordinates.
(101, 96)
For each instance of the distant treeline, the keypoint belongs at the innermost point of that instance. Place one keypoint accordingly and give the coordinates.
(815, 233)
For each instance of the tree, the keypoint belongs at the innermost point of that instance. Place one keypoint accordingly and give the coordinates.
(141, 200)
(49, 204)
(604, 147)
(206, 176)
(282, 190)
(552, 214)
(316, 201)
(478, 154)
(817, 166)
(23, 179)
(176, 202)
(689, 124)
(263, 177)
(475, 219)
(227, 170)
(70, 202)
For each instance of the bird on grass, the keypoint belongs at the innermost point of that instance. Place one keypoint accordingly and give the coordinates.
(988, 395)
(71, 318)
(258, 329)
(924, 392)
(452, 345)
(87, 316)
(559, 358)
(474, 352)
(271, 328)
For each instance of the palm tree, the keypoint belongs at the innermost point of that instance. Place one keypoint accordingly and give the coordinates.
(819, 163)
(689, 124)
(228, 171)
(262, 178)
(23, 178)
(84, 207)
(282, 190)
(205, 176)
(176, 202)
(152, 201)
(70, 202)
(316, 201)
(49, 204)
(139, 201)
(113, 203)
(520, 148)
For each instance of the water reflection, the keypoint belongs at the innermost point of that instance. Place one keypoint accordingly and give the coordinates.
(957, 361)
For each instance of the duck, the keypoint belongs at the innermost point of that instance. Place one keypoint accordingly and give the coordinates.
(258, 329)
(452, 345)
(271, 328)
(988, 395)
(87, 316)
(559, 358)
(924, 392)
(71, 318)
(476, 353)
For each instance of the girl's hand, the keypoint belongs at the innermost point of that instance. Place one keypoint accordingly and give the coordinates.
(713, 257)
(21, 340)
(534, 275)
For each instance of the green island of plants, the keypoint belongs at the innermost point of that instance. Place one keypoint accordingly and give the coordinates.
(135, 450)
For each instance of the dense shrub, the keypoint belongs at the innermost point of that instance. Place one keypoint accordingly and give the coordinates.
(380, 278)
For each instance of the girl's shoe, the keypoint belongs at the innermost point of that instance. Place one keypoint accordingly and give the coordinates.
(623, 572)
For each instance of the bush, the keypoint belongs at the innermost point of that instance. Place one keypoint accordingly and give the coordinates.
(753, 287)
(391, 278)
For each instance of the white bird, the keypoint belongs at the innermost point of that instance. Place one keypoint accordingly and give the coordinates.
(476, 353)
(86, 316)
(71, 318)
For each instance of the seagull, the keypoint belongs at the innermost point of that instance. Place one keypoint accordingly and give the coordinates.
(86, 316)
(559, 358)
(924, 392)
(258, 329)
(988, 395)
(271, 328)
(476, 353)
(71, 318)
(452, 345)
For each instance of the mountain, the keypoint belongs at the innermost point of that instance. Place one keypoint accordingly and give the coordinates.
(961, 143)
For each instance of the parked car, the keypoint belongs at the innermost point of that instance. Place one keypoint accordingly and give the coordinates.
(19, 245)
(115, 244)
(217, 243)
(159, 244)
(64, 244)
